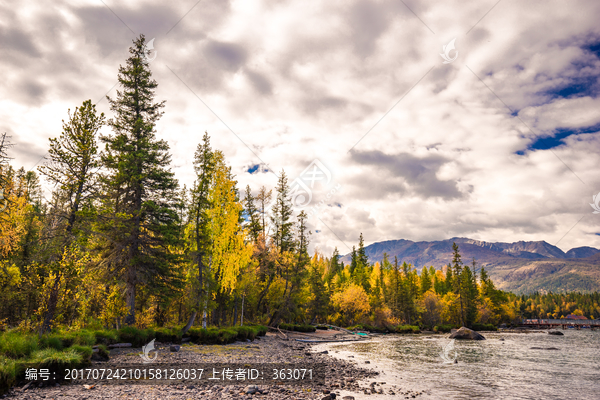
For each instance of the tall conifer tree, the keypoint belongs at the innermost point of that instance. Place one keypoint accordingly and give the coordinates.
(140, 219)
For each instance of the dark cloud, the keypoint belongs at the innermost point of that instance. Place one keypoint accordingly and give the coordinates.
(418, 173)
(225, 56)
(260, 82)
(15, 39)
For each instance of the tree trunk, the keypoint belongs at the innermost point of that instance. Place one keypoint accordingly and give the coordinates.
(52, 302)
(130, 296)
(205, 313)
(189, 324)
(242, 316)
(235, 310)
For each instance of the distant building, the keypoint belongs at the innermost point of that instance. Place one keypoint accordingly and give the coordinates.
(571, 316)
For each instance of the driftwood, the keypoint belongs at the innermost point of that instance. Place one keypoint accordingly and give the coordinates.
(277, 330)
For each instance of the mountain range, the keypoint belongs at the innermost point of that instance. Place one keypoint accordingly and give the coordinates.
(520, 267)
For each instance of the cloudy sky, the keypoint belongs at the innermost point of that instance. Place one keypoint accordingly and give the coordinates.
(500, 144)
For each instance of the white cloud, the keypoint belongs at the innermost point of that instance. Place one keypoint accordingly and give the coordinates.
(297, 82)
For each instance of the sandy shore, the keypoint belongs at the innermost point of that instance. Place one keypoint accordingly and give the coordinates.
(343, 379)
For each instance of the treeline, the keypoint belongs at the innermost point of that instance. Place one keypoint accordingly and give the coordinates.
(558, 305)
(119, 242)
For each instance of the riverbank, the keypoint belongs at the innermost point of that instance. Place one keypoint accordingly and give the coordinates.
(341, 377)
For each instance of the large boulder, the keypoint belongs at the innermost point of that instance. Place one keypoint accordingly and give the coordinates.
(466, 334)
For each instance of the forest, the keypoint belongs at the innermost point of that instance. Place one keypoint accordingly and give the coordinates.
(121, 243)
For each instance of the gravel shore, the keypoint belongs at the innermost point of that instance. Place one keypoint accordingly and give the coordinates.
(341, 377)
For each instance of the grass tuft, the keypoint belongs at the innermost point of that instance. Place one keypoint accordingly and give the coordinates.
(15, 345)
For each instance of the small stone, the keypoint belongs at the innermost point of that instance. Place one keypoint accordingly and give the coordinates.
(251, 389)
(174, 348)
(367, 362)
(347, 398)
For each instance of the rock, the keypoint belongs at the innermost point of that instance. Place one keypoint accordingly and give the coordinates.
(325, 352)
(119, 345)
(328, 397)
(347, 398)
(557, 333)
(466, 334)
(251, 389)
(367, 362)
(325, 391)
(174, 348)
(544, 348)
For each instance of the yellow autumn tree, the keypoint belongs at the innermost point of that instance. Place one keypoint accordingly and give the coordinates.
(352, 301)
(228, 251)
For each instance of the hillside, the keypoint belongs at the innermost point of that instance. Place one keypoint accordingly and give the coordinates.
(520, 267)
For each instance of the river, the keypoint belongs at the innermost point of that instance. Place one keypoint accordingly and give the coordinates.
(502, 367)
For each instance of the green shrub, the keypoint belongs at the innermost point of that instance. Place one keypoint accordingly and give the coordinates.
(130, 334)
(16, 345)
(225, 335)
(261, 330)
(167, 335)
(442, 328)
(52, 359)
(484, 327)
(407, 329)
(246, 332)
(368, 328)
(106, 336)
(85, 351)
(84, 337)
(52, 341)
(8, 374)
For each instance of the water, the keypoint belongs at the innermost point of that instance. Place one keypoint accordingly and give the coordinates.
(487, 369)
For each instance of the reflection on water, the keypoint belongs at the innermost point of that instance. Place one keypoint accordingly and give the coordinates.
(492, 368)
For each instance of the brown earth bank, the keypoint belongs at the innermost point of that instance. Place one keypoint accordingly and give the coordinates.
(342, 378)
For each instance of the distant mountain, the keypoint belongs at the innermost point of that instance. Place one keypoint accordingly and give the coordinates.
(521, 267)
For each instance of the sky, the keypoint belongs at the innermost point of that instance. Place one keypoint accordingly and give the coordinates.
(403, 119)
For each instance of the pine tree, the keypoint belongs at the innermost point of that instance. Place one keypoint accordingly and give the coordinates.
(425, 280)
(139, 218)
(253, 224)
(282, 216)
(264, 199)
(5, 144)
(353, 260)
(363, 260)
(458, 282)
(198, 224)
(72, 169)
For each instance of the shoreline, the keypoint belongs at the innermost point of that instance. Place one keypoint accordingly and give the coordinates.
(348, 374)
(341, 377)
